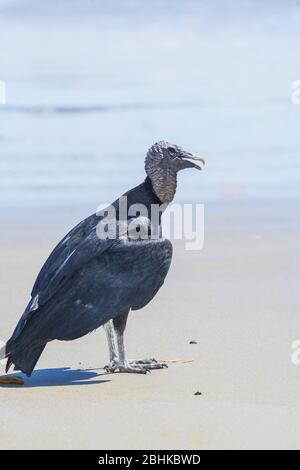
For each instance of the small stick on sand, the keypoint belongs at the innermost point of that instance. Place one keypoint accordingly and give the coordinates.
(183, 361)
(6, 380)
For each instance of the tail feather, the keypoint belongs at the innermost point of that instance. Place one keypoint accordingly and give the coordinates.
(27, 342)
(24, 359)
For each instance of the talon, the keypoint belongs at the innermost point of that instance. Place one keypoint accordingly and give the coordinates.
(149, 364)
(142, 366)
(111, 367)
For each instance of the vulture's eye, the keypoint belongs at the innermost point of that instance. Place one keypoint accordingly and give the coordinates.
(171, 151)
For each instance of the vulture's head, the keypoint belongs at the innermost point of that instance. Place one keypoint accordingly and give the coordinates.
(163, 162)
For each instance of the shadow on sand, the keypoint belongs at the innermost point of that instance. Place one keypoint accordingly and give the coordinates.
(63, 376)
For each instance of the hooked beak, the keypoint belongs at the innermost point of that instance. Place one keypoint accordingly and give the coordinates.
(188, 164)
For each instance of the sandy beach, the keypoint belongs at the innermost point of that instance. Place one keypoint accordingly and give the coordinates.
(86, 88)
(237, 298)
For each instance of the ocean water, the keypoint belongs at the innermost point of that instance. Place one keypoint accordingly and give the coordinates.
(91, 85)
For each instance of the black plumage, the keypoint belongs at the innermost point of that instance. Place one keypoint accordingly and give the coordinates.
(87, 282)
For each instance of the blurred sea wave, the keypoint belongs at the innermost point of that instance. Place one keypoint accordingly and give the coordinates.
(91, 85)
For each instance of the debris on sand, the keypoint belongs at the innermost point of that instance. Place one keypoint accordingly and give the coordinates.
(193, 342)
(183, 361)
(198, 393)
(7, 380)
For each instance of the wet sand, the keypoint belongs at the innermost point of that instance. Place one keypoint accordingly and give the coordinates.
(238, 299)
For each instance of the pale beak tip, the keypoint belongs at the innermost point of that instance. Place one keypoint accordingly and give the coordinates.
(201, 159)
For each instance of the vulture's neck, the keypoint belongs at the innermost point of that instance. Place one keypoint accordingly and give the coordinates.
(143, 194)
(164, 184)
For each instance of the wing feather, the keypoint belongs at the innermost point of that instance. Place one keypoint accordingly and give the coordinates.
(61, 252)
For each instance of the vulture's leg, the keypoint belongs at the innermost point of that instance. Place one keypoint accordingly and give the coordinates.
(112, 345)
(122, 364)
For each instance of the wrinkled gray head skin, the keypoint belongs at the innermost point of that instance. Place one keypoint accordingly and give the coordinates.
(163, 161)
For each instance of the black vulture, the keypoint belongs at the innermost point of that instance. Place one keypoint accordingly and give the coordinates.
(89, 280)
